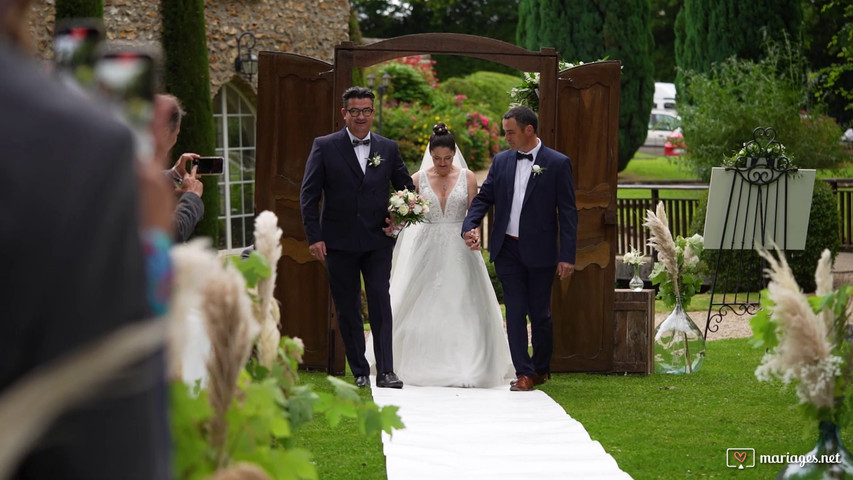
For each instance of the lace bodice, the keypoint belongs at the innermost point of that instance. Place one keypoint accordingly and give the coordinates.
(457, 202)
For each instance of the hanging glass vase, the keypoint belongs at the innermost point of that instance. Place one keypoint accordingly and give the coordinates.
(636, 283)
(828, 460)
(679, 344)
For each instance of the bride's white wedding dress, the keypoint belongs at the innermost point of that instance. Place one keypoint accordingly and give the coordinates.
(448, 327)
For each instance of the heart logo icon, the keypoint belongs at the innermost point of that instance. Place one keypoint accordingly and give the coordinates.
(740, 456)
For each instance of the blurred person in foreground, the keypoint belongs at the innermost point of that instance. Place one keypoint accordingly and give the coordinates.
(188, 186)
(77, 211)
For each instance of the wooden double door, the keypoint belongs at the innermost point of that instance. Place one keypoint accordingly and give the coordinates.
(299, 99)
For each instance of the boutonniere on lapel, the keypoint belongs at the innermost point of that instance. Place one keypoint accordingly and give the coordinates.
(375, 160)
(537, 170)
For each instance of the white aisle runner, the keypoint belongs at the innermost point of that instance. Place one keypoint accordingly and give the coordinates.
(475, 433)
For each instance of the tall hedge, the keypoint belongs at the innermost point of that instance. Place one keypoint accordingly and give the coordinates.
(588, 30)
(187, 76)
(708, 32)
(79, 9)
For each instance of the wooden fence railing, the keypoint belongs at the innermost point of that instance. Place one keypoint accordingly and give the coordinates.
(631, 213)
(843, 190)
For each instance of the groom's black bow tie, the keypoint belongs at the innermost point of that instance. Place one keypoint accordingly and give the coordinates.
(357, 142)
(523, 156)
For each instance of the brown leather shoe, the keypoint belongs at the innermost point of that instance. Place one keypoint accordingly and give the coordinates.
(537, 379)
(522, 384)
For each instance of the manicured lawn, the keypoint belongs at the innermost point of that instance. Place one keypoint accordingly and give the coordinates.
(340, 453)
(656, 427)
(679, 426)
(644, 167)
(652, 168)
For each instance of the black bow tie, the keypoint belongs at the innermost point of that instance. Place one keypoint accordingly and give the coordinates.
(523, 156)
(357, 142)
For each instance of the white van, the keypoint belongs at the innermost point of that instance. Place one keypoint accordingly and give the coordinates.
(664, 98)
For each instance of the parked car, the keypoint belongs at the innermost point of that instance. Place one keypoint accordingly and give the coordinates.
(661, 124)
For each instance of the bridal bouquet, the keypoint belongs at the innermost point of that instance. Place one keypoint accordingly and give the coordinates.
(806, 338)
(407, 207)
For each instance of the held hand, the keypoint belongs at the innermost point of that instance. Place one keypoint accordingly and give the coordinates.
(472, 239)
(392, 229)
(564, 269)
(318, 251)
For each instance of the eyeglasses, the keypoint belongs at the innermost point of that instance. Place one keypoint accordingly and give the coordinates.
(364, 111)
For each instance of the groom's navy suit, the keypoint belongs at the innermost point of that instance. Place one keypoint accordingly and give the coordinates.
(354, 209)
(547, 234)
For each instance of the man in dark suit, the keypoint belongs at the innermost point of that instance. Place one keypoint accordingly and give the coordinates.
(73, 268)
(351, 170)
(535, 230)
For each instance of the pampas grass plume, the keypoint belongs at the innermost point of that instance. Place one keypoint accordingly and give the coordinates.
(268, 244)
(192, 265)
(804, 351)
(228, 319)
(661, 239)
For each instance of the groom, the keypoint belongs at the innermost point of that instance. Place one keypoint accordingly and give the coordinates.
(350, 170)
(533, 193)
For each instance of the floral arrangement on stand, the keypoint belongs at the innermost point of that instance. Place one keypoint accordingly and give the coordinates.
(773, 151)
(679, 344)
(807, 340)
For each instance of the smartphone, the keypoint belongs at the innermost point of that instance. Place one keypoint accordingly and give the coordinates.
(207, 165)
(76, 42)
(127, 78)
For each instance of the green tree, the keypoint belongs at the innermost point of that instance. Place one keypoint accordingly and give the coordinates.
(79, 9)
(187, 77)
(738, 95)
(586, 30)
(828, 46)
(663, 14)
(709, 32)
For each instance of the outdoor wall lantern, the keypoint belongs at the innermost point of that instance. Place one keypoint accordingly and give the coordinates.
(246, 61)
(386, 81)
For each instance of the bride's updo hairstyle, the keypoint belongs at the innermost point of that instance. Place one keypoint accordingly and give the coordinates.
(441, 137)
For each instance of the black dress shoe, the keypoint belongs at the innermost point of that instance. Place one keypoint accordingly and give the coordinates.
(388, 380)
(362, 381)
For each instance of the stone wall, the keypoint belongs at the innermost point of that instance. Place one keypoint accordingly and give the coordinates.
(307, 27)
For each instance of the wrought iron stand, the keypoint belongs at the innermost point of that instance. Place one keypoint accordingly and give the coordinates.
(757, 214)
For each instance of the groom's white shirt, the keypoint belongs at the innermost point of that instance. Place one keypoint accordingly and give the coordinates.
(361, 151)
(522, 176)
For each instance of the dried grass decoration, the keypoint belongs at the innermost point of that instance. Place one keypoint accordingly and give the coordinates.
(808, 343)
(679, 343)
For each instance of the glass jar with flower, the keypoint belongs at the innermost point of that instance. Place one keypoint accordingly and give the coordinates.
(635, 258)
(808, 344)
(679, 344)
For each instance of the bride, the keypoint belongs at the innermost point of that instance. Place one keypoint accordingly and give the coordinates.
(448, 327)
